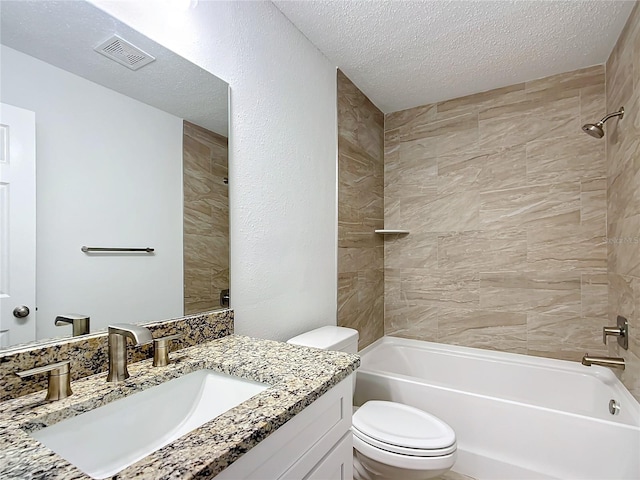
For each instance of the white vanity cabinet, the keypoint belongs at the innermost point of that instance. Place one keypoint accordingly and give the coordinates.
(315, 444)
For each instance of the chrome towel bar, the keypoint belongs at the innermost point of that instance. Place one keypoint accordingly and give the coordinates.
(109, 249)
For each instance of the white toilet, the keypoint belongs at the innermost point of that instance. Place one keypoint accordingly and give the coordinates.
(391, 441)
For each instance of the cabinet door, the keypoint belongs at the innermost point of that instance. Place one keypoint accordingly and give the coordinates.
(338, 464)
(302, 443)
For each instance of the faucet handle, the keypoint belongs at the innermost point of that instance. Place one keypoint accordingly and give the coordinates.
(161, 349)
(621, 331)
(59, 379)
(613, 331)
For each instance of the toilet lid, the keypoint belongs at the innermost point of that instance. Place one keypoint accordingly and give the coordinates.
(400, 425)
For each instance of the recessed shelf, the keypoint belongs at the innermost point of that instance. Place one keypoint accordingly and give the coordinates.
(387, 231)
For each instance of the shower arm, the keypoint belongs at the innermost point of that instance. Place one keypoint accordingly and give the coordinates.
(619, 113)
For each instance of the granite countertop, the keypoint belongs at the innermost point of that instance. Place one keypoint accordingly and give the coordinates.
(297, 376)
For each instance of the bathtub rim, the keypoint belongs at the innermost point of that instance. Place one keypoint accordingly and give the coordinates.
(599, 373)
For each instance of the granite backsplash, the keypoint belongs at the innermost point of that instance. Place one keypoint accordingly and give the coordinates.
(88, 353)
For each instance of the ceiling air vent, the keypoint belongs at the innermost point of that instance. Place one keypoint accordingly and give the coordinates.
(121, 51)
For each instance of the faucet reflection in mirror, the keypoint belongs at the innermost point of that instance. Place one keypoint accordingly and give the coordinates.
(116, 170)
(81, 323)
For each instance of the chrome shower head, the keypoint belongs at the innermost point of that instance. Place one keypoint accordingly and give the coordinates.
(595, 129)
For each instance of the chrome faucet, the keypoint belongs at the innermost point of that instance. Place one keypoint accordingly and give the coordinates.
(613, 362)
(118, 334)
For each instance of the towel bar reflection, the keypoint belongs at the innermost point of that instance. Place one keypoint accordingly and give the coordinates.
(109, 249)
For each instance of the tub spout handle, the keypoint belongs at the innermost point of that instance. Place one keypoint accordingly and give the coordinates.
(621, 330)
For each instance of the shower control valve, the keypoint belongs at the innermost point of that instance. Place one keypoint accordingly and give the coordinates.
(621, 331)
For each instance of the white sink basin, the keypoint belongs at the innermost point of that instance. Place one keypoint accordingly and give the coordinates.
(105, 440)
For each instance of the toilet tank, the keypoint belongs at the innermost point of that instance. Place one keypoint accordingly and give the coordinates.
(329, 338)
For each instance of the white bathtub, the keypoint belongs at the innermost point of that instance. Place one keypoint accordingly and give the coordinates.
(515, 416)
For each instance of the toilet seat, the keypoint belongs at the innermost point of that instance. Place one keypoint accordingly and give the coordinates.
(402, 429)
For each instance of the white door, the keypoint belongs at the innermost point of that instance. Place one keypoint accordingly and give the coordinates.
(17, 225)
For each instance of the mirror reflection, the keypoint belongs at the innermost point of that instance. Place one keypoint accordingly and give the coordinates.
(108, 141)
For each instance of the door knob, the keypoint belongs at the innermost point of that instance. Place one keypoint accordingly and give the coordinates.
(21, 311)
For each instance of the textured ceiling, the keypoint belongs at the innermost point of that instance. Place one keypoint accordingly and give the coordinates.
(402, 54)
(64, 33)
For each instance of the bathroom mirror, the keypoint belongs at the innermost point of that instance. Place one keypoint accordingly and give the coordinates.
(125, 158)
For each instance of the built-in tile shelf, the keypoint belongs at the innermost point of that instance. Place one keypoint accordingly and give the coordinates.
(387, 231)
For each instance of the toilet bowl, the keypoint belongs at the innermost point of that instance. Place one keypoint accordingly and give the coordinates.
(391, 441)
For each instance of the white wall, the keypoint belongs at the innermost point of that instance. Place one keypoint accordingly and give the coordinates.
(282, 155)
(108, 173)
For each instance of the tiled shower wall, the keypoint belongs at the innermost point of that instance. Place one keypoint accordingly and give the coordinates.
(206, 218)
(505, 200)
(360, 212)
(623, 176)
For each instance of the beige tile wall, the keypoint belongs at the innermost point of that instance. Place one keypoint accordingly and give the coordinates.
(505, 199)
(623, 194)
(360, 212)
(206, 218)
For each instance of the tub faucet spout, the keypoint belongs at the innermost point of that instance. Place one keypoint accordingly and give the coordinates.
(118, 335)
(613, 362)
